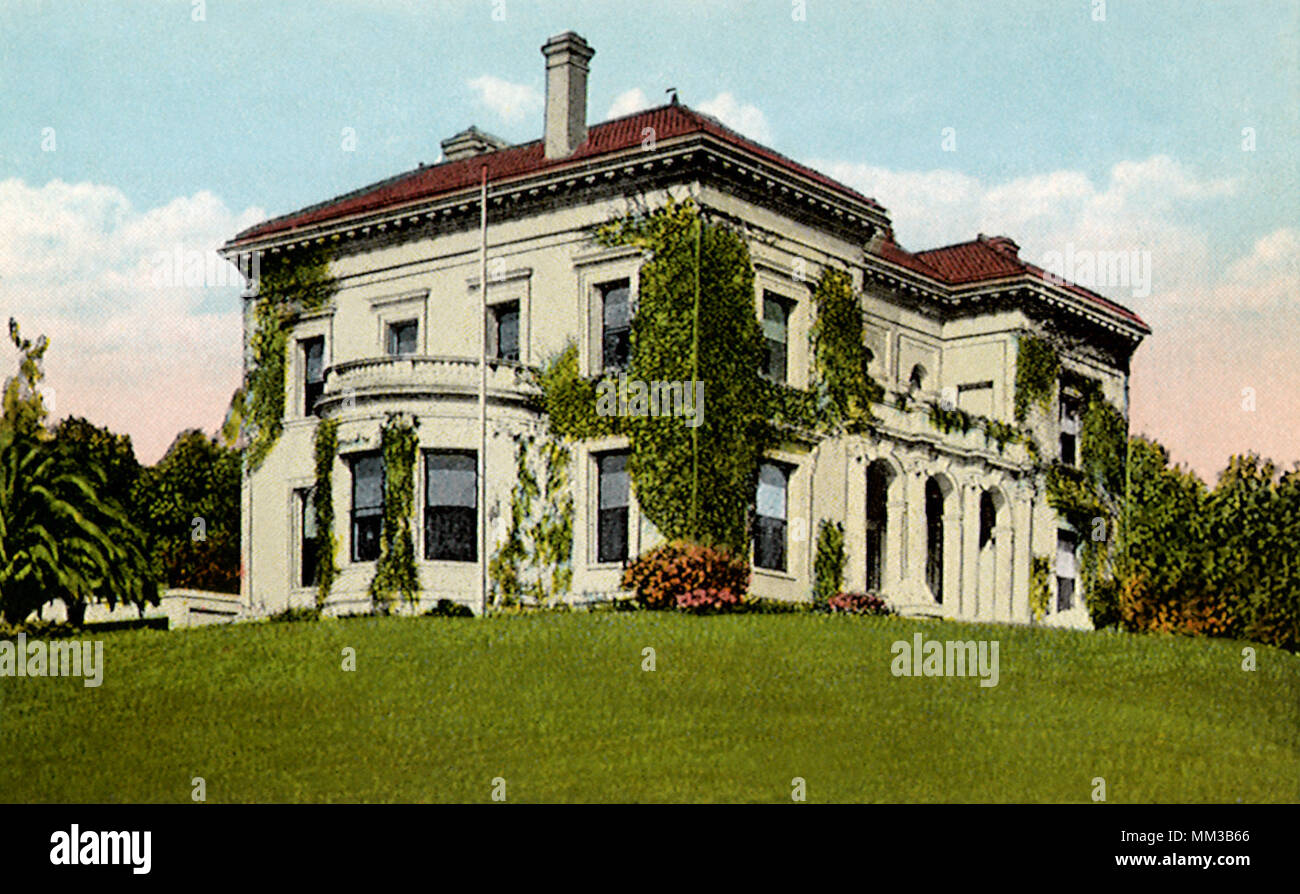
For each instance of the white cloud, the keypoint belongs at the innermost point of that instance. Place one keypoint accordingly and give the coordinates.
(627, 102)
(747, 119)
(510, 102)
(131, 346)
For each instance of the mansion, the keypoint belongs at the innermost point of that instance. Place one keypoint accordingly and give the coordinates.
(943, 523)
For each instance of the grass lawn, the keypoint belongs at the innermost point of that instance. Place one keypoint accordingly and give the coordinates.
(558, 705)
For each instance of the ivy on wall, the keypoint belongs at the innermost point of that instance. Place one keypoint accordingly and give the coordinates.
(534, 560)
(395, 572)
(327, 542)
(1040, 590)
(828, 565)
(569, 400)
(288, 286)
(695, 483)
(844, 387)
(1038, 368)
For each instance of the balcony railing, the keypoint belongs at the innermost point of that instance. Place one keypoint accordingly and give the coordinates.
(416, 376)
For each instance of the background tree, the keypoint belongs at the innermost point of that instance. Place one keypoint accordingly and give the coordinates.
(188, 505)
(62, 535)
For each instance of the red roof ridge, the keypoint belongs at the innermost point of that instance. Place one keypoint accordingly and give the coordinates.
(521, 159)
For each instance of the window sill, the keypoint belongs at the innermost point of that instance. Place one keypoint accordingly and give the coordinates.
(774, 574)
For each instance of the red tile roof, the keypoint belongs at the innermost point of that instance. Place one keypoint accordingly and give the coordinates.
(984, 259)
(526, 159)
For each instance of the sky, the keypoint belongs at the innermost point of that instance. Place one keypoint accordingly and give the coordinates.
(137, 136)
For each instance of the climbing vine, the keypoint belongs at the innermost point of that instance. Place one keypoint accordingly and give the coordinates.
(842, 383)
(1040, 591)
(1038, 367)
(535, 558)
(695, 483)
(288, 286)
(327, 448)
(569, 400)
(828, 566)
(395, 572)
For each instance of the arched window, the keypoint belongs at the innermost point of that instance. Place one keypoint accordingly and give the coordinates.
(916, 381)
(934, 538)
(878, 476)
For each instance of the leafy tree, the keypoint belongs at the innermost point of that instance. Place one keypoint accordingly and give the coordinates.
(188, 504)
(62, 535)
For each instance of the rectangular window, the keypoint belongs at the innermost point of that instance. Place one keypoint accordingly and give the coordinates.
(307, 544)
(505, 328)
(613, 496)
(313, 366)
(451, 506)
(776, 336)
(616, 324)
(367, 506)
(1066, 573)
(770, 516)
(1069, 429)
(402, 338)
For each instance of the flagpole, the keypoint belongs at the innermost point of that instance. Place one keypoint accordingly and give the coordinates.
(482, 397)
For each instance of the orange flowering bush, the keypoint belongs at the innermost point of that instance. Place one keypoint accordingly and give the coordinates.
(687, 576)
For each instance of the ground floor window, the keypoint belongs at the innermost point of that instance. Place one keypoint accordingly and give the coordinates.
(451, 506)
(308, 563)
(770, 516)
(1066, 570)
(367, 506)
(613, 495)
(934, 538)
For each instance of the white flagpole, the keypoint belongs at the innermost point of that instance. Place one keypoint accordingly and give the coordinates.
(482, 398)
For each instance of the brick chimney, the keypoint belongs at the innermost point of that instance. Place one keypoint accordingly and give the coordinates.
(1003, 245)
(567, 56)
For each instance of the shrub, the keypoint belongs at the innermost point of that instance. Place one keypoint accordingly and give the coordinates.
(828, 567)
(448, 608)
(754, 605)
(296, 614)
(858, 604)
(708, 600)
(677, 570)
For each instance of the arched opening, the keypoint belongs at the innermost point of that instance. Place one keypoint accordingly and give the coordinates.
(916, 381)
(934, 538)
(878, 479)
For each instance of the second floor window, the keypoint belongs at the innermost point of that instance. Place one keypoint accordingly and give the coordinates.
(313, 366)
(770, 516)
(505, 329)
(613, 496)
(402, 338)
(1069, 430)
(367, 506)
(776, 337)
(616, 324)
(451, 506)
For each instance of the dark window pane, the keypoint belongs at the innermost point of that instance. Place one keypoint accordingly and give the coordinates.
(612, 536)
(451, 507)
(616, 324)
(1064, 593)
(508, 332)
(613, 496)
(776, 336)
(1067, 449)
(307, 549)
(770, 517)
(313, 359)
(402, 337)
(451, 533)
(367, 506)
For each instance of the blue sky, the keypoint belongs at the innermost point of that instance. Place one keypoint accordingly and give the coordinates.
(215, 122)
